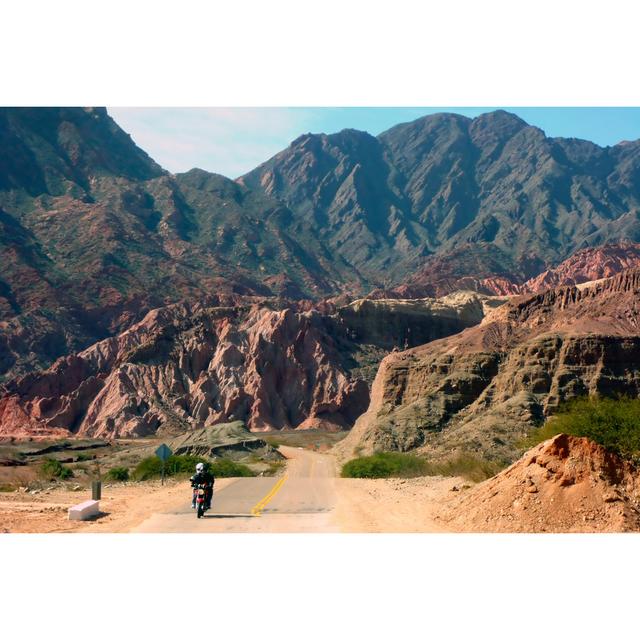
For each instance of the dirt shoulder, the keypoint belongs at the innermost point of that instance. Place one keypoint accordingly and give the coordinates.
(394, 506)
(124, 507)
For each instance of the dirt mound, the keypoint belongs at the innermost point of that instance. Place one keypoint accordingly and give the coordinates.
(566, 484)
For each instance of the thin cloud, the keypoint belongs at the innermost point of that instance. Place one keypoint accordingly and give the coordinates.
(230, 141)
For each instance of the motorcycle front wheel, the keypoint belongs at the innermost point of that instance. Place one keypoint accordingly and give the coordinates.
(200, 510)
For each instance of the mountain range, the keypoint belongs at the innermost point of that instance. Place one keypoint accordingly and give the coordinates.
(94, 233)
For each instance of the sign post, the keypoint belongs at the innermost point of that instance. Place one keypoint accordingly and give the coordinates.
(164, 453)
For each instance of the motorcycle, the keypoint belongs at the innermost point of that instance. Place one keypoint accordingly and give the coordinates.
(200, 491)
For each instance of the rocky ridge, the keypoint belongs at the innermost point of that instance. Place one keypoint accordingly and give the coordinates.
(484, 389)
(482, 269)
(444, 183)
(230, 440)
(190, 366)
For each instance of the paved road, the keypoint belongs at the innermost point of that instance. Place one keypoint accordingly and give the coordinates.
(299, 501)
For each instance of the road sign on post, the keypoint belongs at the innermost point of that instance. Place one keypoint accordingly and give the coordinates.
(164, 453)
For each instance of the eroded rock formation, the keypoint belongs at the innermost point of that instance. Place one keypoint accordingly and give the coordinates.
(188, 366)
(483, 268)
(485, 388)
(94, 233)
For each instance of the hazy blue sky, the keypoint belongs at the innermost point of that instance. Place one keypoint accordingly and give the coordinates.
(231, 141)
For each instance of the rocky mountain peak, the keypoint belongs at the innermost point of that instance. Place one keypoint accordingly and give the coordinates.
(499, 120)
(46, 149)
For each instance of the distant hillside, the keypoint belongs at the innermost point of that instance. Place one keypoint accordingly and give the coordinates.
(445, 181)
(484, 268)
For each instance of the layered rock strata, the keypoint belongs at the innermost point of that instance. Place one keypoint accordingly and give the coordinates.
(190, 366)
(484, 389)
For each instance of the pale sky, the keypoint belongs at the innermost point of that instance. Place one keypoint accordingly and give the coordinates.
(232, 141)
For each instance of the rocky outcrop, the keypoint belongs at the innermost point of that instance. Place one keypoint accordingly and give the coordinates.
(483, 389)
(229, 440)
(479, 267)
(566, 484)
(486, 270)
(186, 367)
(407, 323)
(587, 265)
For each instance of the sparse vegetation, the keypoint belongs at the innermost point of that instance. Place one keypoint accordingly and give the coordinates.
(118, 474)
(52, 469)
(403, 465)
(151, 467)
(612, 422)
(469, 466)
(275, 467)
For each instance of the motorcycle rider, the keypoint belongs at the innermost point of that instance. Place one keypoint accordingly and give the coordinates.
(203, 476)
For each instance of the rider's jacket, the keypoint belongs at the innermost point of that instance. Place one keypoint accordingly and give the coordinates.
(206, 477)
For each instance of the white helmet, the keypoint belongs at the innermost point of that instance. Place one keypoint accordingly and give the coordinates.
(199, 467)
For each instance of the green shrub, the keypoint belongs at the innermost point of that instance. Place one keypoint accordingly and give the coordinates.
(84, 457)
(65, 473)
(151, 467)
(403, 465)
(52, 469)
(385, 465)
(612, 422)
(177, 465)
(119, 474)
(229, 469)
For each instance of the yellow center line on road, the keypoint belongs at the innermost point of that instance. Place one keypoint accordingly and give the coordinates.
(257, 509)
